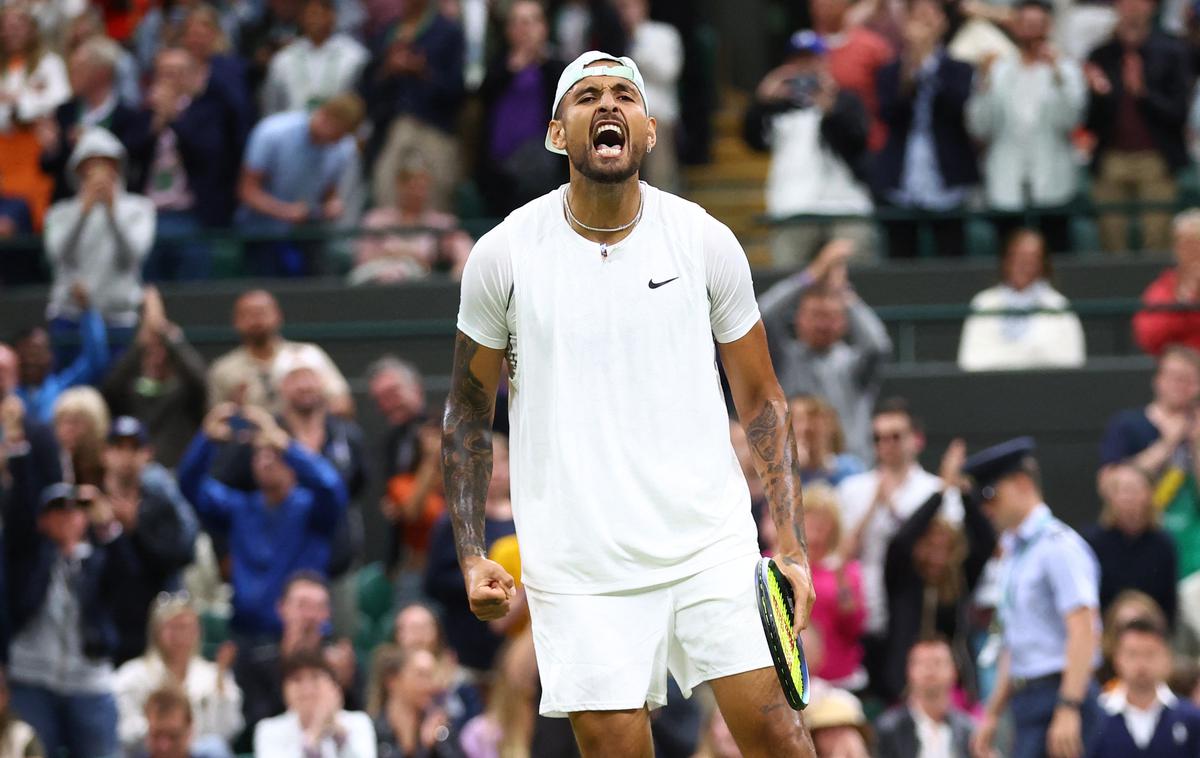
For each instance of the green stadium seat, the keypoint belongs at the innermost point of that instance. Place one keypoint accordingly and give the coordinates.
(227, 259)
(1189, 186)
(214, 629)
(981, 239)
(374, 591)
(468, 200)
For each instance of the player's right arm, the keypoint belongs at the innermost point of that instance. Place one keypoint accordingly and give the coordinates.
(467, 424)
(467, 467)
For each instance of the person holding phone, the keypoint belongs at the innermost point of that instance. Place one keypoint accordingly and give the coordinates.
(817, 135)
(283, 526)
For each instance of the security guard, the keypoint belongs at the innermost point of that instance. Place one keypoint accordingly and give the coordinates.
(1048, 612)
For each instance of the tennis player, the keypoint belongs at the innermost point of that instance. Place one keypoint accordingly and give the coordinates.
(638, 549)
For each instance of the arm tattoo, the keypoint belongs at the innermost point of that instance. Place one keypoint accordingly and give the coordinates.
(467, 450)
(773, 443)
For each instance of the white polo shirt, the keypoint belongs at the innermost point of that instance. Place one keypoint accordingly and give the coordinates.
(623, 475)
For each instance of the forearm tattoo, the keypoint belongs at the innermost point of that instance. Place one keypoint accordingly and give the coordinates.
(467, 450)
(773, 443)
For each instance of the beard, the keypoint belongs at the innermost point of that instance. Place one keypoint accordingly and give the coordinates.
(588, 164)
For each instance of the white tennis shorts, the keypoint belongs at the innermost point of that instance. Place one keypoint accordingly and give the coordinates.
(613, 652)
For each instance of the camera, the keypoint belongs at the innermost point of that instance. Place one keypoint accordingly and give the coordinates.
(804, 89)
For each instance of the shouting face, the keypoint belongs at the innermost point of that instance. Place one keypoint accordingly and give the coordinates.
(603, 125)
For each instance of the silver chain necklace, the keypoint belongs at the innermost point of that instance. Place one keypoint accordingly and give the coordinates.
(600, 229)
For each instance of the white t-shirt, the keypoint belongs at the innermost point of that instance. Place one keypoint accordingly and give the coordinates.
(855, 495)
(282, 737)
(623, 474)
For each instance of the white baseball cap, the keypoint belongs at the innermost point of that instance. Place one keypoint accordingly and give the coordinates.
(581, 68)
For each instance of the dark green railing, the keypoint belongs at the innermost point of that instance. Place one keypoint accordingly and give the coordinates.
(904, 320)
(228, 245)
(981, 240)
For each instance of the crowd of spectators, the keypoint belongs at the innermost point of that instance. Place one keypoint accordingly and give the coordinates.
(176, 578)
(264, 119)
(182, 541)
(387, 116)
(182, 544)
(905, 560)
(925, 110)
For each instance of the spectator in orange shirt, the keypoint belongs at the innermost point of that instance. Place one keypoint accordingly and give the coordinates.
(1179, 286)
(855, 56)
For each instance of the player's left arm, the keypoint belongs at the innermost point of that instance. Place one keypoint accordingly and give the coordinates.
(763, 411)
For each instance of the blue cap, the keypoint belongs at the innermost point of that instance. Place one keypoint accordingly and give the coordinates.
(127, 427)
(807, 41)
(59, 495)
(993, 464)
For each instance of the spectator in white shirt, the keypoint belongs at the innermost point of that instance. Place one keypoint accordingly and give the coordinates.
(1025, 107)
(99, 237)
(875, 504)
(316, 66)
(817, 134)
(314, 724)
(1022, 341)
(173, 659)
(33, 82)
(658, 49)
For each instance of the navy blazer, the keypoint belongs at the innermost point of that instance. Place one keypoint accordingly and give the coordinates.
(210, 134)
(1164, 106)
(127, 125)
(433, 99)
(955, 151)
(897, 733)
(1177, 735)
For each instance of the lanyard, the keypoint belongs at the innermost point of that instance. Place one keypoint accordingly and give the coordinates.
(1008, 606)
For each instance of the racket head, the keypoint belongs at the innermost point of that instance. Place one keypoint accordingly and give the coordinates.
(776, 608)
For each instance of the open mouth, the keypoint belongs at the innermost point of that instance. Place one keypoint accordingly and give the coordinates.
(608, 140)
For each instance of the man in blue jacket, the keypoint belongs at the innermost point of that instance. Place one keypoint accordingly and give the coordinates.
(1144, 718)
(284, 526)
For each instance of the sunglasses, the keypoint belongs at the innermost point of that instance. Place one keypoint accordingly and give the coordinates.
(891, 437)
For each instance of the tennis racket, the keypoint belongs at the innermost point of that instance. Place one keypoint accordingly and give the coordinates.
(776, 608)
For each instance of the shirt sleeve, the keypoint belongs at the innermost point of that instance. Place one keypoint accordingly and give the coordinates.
(259, 149)
(1073, 575)
(732, 307)
(487, 286)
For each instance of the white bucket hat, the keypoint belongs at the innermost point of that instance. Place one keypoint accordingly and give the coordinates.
(581, 68)
(95, 142)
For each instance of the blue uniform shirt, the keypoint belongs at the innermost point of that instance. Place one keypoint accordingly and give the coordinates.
(1047, 572)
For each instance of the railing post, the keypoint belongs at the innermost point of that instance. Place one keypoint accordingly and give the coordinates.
(907, 349)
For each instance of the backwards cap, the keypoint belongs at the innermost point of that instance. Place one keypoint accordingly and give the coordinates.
(581, 68)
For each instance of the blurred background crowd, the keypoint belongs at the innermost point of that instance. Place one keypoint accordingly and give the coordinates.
(223, 534)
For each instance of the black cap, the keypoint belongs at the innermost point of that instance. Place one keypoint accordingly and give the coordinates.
(55, 496)
(993, 464)
(126, 428)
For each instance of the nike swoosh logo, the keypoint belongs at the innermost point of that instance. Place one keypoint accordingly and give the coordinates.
(655, 285)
